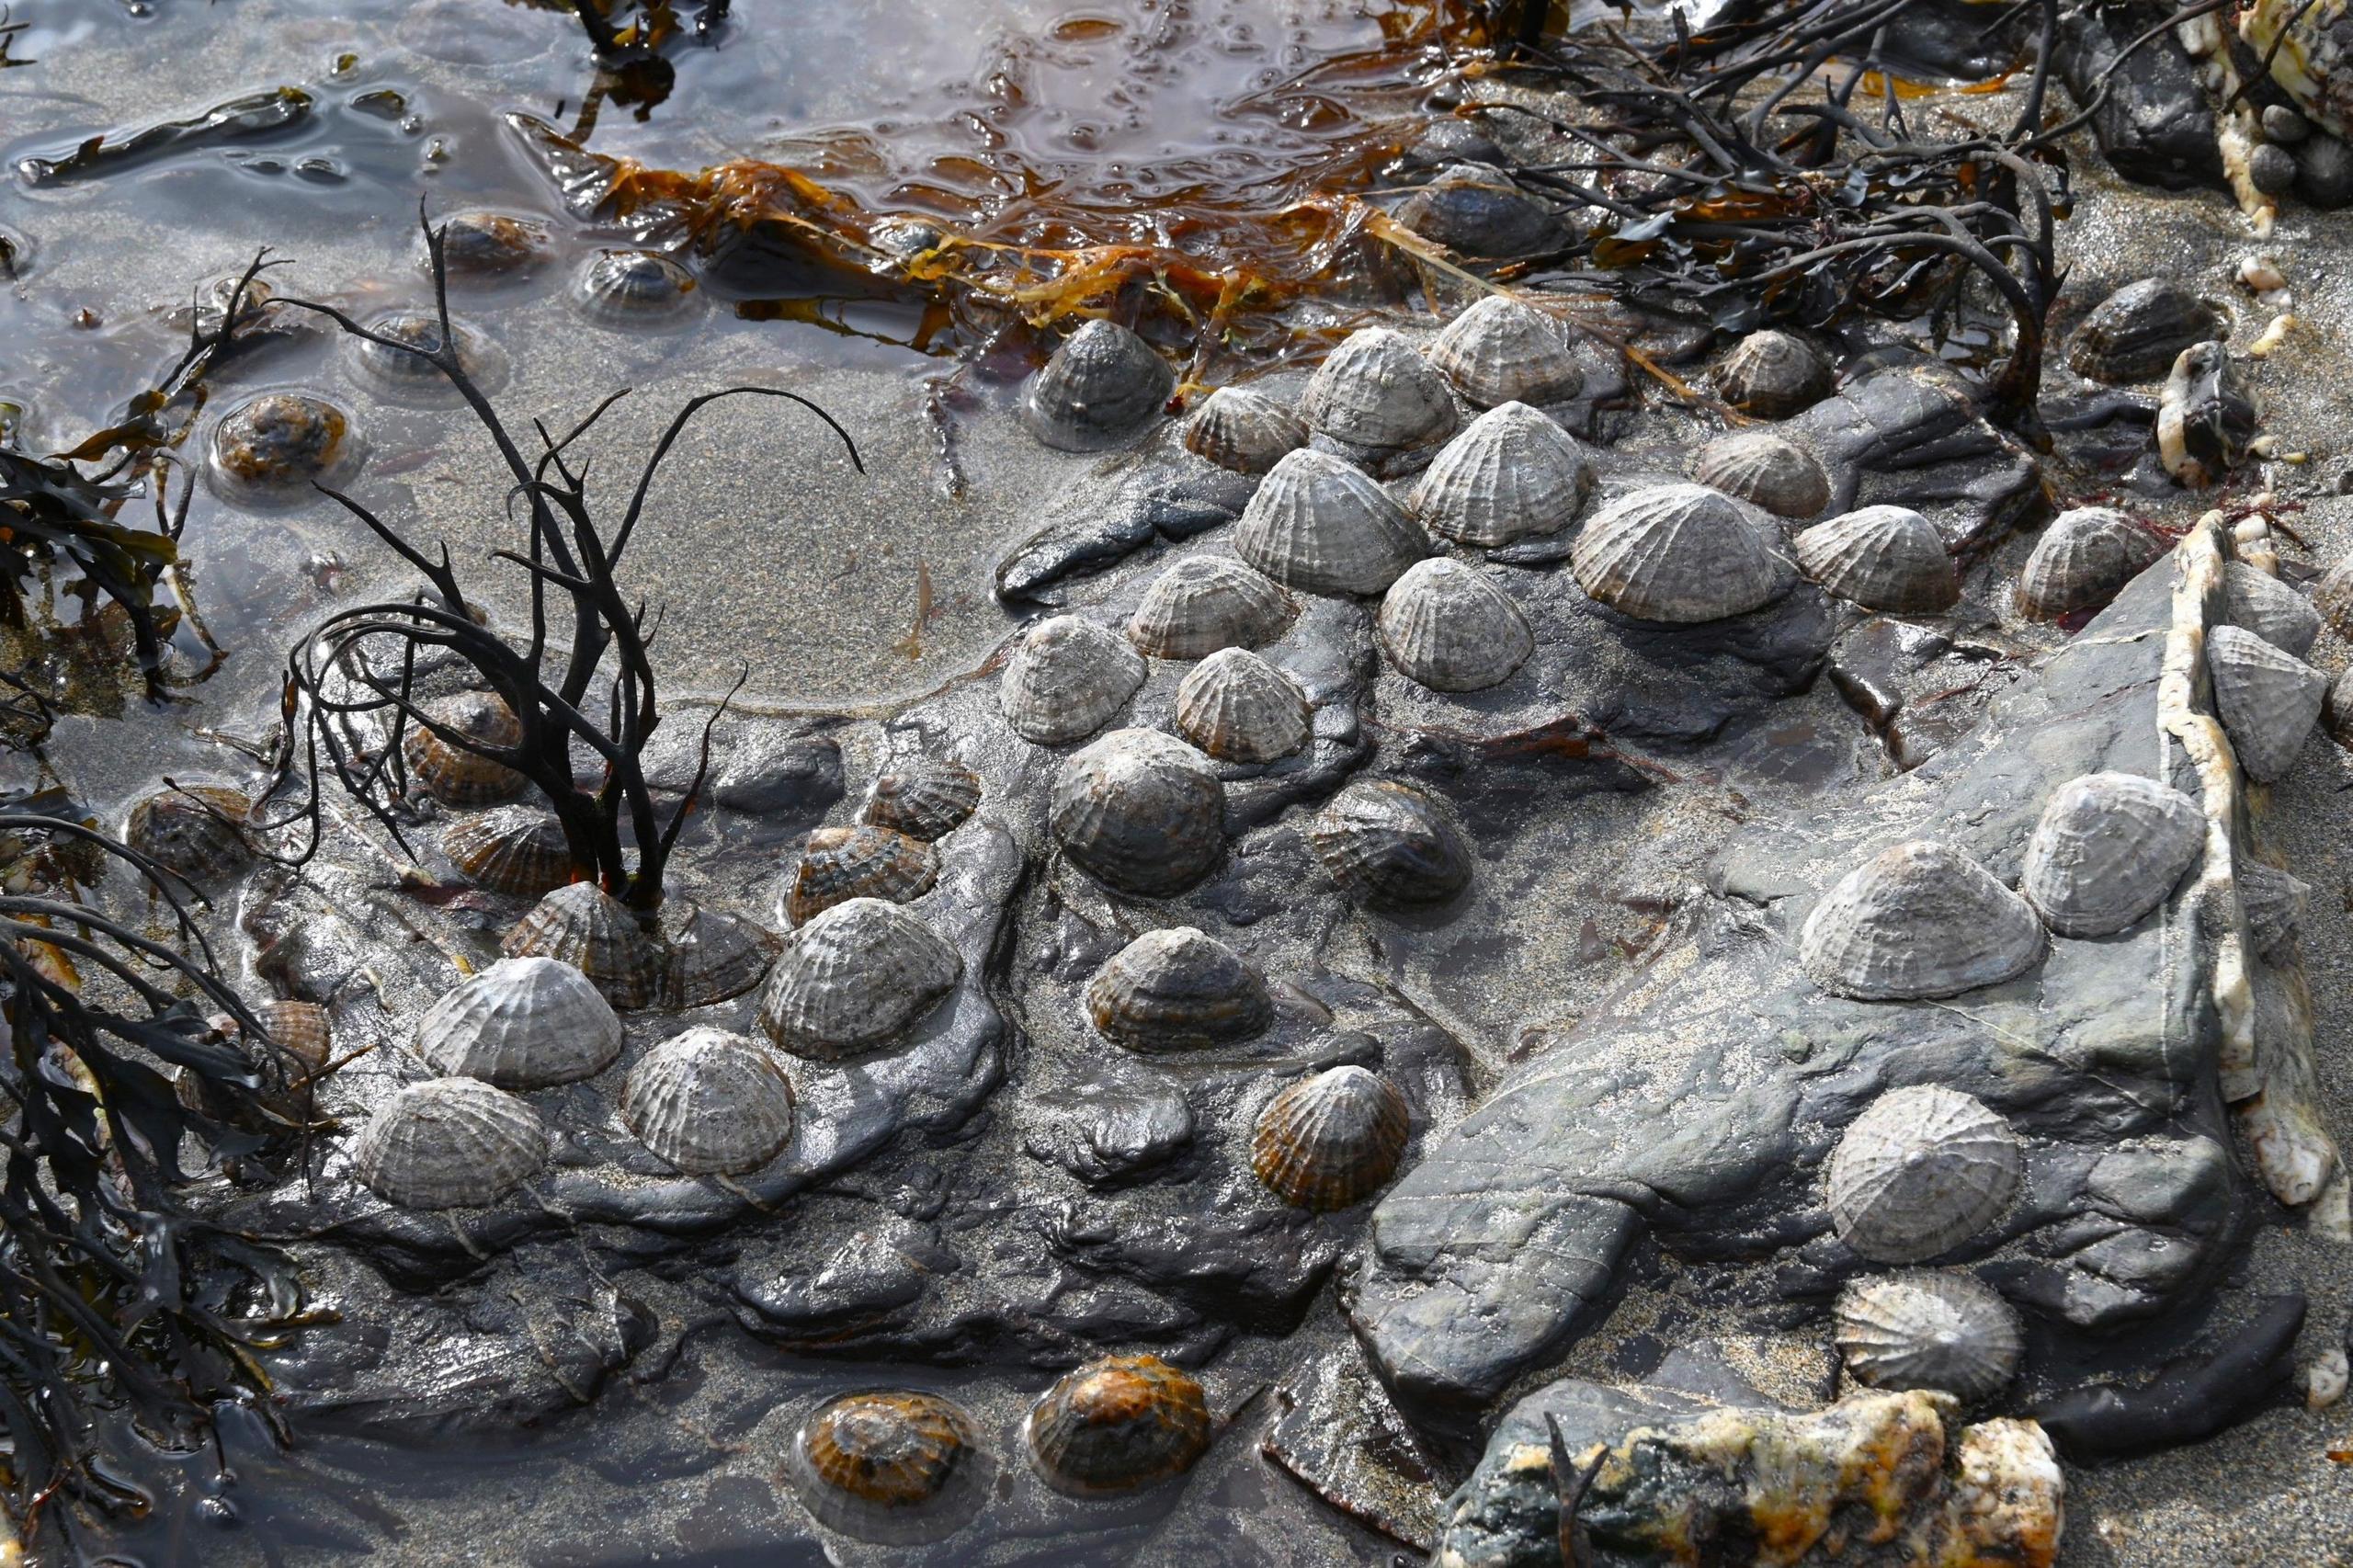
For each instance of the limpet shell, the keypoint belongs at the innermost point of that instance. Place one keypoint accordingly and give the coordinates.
(2275, 902)
(482, 246)
(1681, 553)
(855, 978)
(634, 288)
(1140, 811)
(398, 376)
(302, 1029)
(1773, 375)
(1921, 1170)
(1177, 989)
(1445, 625)
(2107, 849)
(928, 800)
(276, 448)
(1512, 474)
(709, 955)
(1916, 921)
(1066, 679)
(894, 1468)
(1245, 431)
(1318, 525)
(196, 830)
(450, 773)
(1505, 350)
(2270, 608)
(842, 863)
(588, 928)
(528, 1023)
(1387, 842)
(1208, 602)
(1238, 708)
(517, 850)
(1118, 1424)
(1331, 1141)
(1882, 558)
(2081, 560)
(710, 1102)
(1766, 469)
(1375, 390)
(1945, 1331)
(450, 1143)
(2268, 700)
(1101, 387)
(2136, 333)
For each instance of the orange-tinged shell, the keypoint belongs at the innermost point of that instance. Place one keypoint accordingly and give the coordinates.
(1245, 431)
(1177, 989)
(196, 830)
(894, 1467)
(1238, 708)
(927, 800)
(450, 773)
(302, 1029)
(841, 863)
(588, 928)
(1330, 1140)
(1117, 1425)
(517, 850)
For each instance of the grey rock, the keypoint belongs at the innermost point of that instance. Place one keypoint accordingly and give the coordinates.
(1153, 497)
(1109, 1134)
(2272, 169)
(2284, 125)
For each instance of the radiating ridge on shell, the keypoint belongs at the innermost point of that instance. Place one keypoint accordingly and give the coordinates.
(1921, 1171)
(1930, 1330)
(1916, 921)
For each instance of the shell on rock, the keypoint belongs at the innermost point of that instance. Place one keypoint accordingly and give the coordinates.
(2333, 597)
(710, 1102)
(1101, 387)
(1376, 391)
(1915, 921)
(634, 288)
(1512, 474)
(1117, 1425)
(1765, 470)
(2275, 902)
(450, 1143)
(1387, 842)
(1882, 558)
(2270, 608)
(1505, 350)
(196, 830)
(398, 371)
(1946, 1331)
(1773, 375)
(2107, 849)
(1445, 625)
(1140, 811)
(1921, 1170)
(588, 928)
(1238, 708)
(2268, 700)
(894, 1468)
(928, 800)
(2083, 559)
(1208, 602)
(302, 1029)
(709, 955)
(1318, 525)
(1245, 431)
(1330, 1140)
(1678, 552)
(517, 850)
(855, 978)
(2206, 416)
(1066, 679)
(450, 773)
(2136, 333)
(1177, 990)
(521, 1024)
(274, 447)
(842, 863)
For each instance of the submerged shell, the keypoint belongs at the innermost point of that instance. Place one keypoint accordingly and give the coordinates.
(1445, 625)
(1316, 524)
(709, 955)
(2206, 416)
(1773, 375)
(855, 978)
(1066, 679)
(2108, 848)
(1678, 552)
(1208, 602)
(450, 1143)
(588, 928)
(2268, 700)
(2275, 902)
(1238, 708)
(1766, 469)
(2270, 608)
(710, 1102)
(928, 800)
(1140, 811)
(1330, 1140)
(1512, 474)
(1941, 1330)
(1884, 558)
(634, 288)
(1921, 1170)
(1102, 386)
(841, 863)
(894, 1468)
(196, 830)
(2136, 333)
(1505, 350)
(1116, 1425)
(1918, 920)
(517, 850)
(1245, 431)
(1376, 392)
(1387, 842)
(450, 773)
(2081, 560)
(398, 375)
(520, 1024)
(485, 248)
(1177, 990)
(304, 1028)
(276, 446)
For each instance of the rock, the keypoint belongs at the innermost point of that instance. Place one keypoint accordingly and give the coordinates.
(2192, 1397)
(765, 766)
(868, 1277)
(1911, 436)
(2157, 124)
(1156, 497)
(2272, 169)
(1344, 1440)
(1109, 1133)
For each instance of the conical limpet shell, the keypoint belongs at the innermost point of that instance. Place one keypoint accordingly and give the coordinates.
(841, 863)
(2333, 597)
(1505, 350)
(1245, 431)
(517, 850)
(2275, 902)
(450, 773)
(2268, 700)
(709, 955)
(1678, 552)
(450, 1143)
(1773, 375)
(302, 1029)
(1921, 1171)
(1330, 1140)
(1445, 625)
(2108, 848)
(855, 978)
(1882, 558)
(634, 288)
(1177, 990)
(1375, 390)
(2269, 608)
(710, 1102)
(196, 830)
(1766, 469)
(2135, 333)
(895, 1468)
(1238, 708)
(1916, 921)
(1512, 474)
(1386, 842)
(1066, 679)
(1208, 602)
(1318, 525)
(1117, 1425)
(588, 928)
(1140, 811)
(2081, 560)
(528, 1023)
(1101, 387)
(928, 800)
(1945, 1331)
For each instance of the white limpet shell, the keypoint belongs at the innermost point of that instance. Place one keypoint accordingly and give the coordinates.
(2275, 902)
(1066, 679)
(1916, 921)
(1512, 474)
(1882, 558)
(1318, 525)
(1681, 553)
(1376, 391)
(710, 1102)
(527, 1023)
(1920, 1171)
(2270, 608)
(2268, 700)
(1140, 811)
(1238, 708)
(1930, 1330)
(1245, 431)
(450, 1143)
(1206, 602)
(2108, 848)
(1505, 350)
(854, 979)
(1445, 625)
(1765, 468)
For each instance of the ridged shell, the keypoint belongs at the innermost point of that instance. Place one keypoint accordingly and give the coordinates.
(709, 955)
(2108, 848)
(928, 800)
(841, 863)
(2275, 902)
(517, 850)
(1245, 431)
(1177, 990)
(1330, 1140)
(304, 1028)
(1118, 1424)
(520, 1024)
(710, 1102)
(1318, 525)
(1512, 474)
(1921, 1170)
(2206, 416)
(1884, 558)
(894, 1468)
(2081, 560)
(1140, 811)
(1929, 1331)
(1445, 625)
(1773, 375)
(1505, 350)
(398, 376)
(484, 246)
(1764, 470)
(1208, 602)
(1918, 920)
(1386, 842)
(637, 289)
(1101, 387)
(2333, 597)
(2270, 608)
(1376, 391)
(2136, 333)
(194, 829)
(1238, 708)
(450, 773)
(1066, 679)
(854, 979)
(2267, 700)
(1682, 553)
(588, 928)
(450, 1143)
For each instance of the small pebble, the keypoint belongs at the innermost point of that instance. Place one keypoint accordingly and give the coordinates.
(2325, 1377)
(2262, 274)
(2271, 169)
(2273, 335)
(2326, 171)
(2284, 125)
